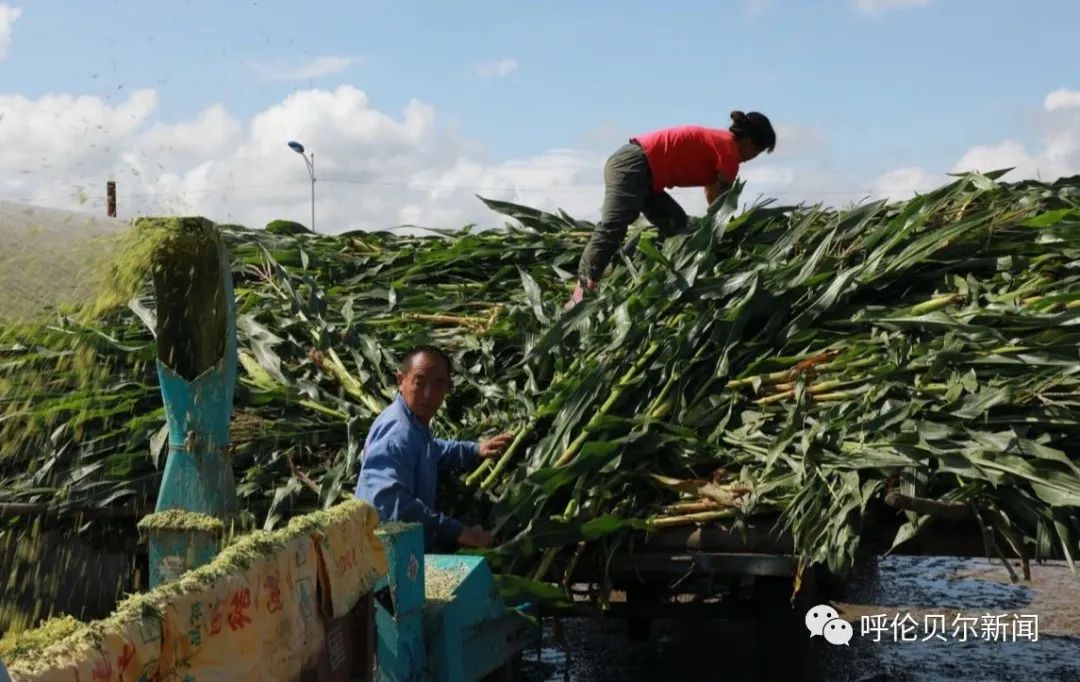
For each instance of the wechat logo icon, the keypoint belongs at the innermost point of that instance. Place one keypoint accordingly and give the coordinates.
(824, 621)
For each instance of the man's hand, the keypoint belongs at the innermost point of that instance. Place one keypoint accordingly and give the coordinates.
(474, 536)
(579, 292)
(494, 446)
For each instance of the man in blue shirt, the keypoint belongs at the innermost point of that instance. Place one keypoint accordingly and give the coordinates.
(402, 459)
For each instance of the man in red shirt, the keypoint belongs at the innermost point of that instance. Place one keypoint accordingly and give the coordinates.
(637, 174)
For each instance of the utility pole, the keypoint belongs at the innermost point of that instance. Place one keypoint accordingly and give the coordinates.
(110, 198)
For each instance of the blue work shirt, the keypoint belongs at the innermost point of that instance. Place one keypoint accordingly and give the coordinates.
(400, 469)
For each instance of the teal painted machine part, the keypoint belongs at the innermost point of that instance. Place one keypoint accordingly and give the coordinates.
(462, 633)
(198, 474)
(471, 632)
(399, 644)
(173, 553)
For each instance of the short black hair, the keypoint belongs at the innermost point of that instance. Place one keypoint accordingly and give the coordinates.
(434, 351)
(755, 126)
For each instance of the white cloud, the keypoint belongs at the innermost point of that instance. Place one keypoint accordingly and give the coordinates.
(811, 180)
(1046, 164)
(1062, 99)
(804, 169)
(495, 69)
(903, 183)
(774, 175)
(377, 170)
(1057, 153)
(8, 16)
(568, 179)
(318, 67)
(58, 143)
(875, 6)
(213, 131)
(793, 140)
(374, 170)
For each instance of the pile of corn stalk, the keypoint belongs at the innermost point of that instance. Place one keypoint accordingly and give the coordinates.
(800, 362)
(808, 364)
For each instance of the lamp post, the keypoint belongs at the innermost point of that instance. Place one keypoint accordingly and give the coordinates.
(310, 162)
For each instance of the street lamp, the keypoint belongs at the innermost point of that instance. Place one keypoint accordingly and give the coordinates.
(310, 162)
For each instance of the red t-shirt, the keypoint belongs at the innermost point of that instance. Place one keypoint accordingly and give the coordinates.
(690, 156)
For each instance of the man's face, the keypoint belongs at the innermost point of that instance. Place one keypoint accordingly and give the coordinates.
(424, 386)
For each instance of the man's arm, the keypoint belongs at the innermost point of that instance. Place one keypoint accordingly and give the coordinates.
(457, 455)
(716, 189)
(464, 455)
(386, 480)
(604, 242)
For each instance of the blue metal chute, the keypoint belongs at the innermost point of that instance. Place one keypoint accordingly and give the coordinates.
(198, 476)
(197, 361)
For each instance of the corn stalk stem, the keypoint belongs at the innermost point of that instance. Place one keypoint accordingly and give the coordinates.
(504, 460)
(448, 319)
(545, 563)
(616, 394)
(935, 304)
(479, 471)
(787, 374)
(336, 368)
(690, 519)
(692, 507)
(319, 407)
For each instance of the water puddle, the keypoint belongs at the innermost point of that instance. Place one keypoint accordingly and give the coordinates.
(914, 618)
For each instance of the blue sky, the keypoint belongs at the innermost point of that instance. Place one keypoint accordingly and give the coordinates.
(906, 83)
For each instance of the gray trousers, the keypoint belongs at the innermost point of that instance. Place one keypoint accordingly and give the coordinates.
(628, 193)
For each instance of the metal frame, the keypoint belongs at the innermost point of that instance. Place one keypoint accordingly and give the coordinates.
(716, 569)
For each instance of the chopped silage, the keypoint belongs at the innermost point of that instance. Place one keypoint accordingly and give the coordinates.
(394, 528)
(30, 644)
(439, 584)
(182, 520)
(61, 639)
